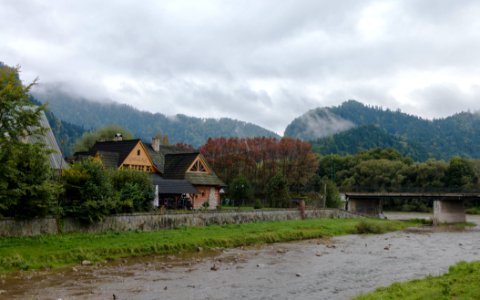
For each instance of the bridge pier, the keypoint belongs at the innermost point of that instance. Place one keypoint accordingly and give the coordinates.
(448, 211)
(368, 207)
(447, 207)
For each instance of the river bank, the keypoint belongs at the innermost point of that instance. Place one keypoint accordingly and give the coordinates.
(336, 268)
(55, 251)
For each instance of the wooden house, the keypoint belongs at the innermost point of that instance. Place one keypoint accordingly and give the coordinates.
(182, 178)
(179, 164)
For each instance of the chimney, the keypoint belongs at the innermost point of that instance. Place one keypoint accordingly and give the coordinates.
(156, 144)
(118, 137)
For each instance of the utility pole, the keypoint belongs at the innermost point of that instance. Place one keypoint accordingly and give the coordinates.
(324, 195)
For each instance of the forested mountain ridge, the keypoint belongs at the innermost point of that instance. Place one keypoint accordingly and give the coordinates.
(179, 128)
(65, 133)
(443, 138)
(367, 137)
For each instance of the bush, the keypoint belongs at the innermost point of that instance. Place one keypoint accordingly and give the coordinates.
(241, 191)
(26, 188)
(332, 198)
(258, 204)
(89, 193)
(369, 227)
(276, 191)
(473, 211)
(134, 189)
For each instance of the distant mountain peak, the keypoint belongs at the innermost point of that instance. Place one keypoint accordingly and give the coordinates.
(352, 103)
(443, 138)
(317, 123)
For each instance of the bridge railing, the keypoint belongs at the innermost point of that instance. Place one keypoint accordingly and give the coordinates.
(372, 189)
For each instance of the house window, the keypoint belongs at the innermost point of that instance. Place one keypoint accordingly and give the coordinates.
(138, 152)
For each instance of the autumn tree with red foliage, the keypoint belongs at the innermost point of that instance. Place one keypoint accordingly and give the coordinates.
(259, 159)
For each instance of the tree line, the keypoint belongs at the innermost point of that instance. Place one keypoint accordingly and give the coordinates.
(388, 170)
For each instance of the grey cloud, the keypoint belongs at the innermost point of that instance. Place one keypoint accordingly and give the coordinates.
(324, 124)
(171, 56)
(445, 99)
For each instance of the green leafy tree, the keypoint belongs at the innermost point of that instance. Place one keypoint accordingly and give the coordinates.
(331, 194)
(134, 188)
(276, 191)
(460, 174)
(88, 139)
(26, 189)
(426, 176)
(18, 117)
(89, 194)
(379, 174)
(241, 190)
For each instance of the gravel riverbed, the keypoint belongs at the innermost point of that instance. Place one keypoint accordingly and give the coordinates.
(337, 268)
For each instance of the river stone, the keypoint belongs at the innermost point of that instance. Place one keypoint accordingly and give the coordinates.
(86, 263)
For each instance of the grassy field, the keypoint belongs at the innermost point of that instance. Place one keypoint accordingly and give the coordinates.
(461, 282)
(70, 249)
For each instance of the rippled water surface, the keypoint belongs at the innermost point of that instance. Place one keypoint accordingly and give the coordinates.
(338, 268)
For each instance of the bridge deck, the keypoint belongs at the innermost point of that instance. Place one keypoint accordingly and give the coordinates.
(384, 195)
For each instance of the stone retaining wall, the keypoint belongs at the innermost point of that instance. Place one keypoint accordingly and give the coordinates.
(153, 221)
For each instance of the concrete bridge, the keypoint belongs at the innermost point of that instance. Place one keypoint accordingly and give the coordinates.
(447, 207)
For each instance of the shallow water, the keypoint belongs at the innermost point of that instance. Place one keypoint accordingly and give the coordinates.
(338, 268)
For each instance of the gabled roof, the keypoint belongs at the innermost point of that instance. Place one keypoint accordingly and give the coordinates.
(120, 148)
(204, 179)
(172, 162)
(177, 167)
(109, 159)
(159, 157)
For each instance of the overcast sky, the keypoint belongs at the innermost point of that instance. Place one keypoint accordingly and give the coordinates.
(264, 61)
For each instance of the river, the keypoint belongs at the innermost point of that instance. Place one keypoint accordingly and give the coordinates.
(337, 268)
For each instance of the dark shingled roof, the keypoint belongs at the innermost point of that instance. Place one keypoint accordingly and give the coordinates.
(109, 159)
(171, 161)
(159, 157)
(176, 167)
(177, 164)
(204, 179)
(173, 186)
(121, 148)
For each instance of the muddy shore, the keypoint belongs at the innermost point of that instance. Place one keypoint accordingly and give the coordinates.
(337, 268)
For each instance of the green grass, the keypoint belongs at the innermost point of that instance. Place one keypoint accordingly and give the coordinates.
(473, 211)
(461, 282)
(23, 253)
(367, 226)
